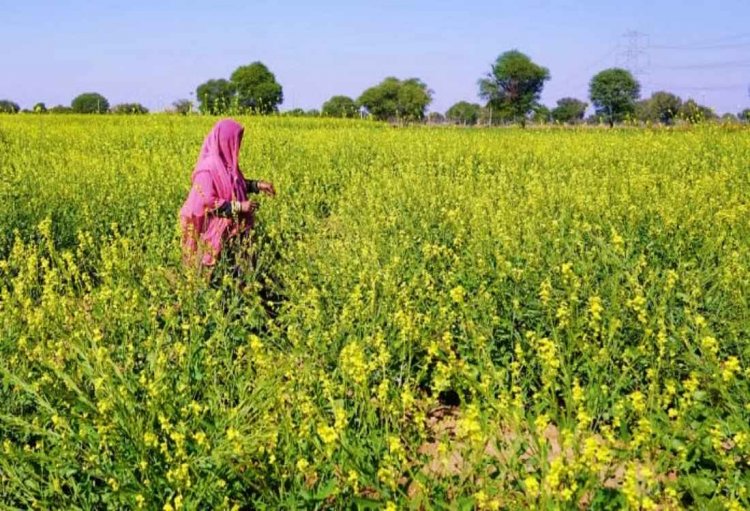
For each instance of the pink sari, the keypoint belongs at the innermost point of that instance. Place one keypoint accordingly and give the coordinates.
(216, 179)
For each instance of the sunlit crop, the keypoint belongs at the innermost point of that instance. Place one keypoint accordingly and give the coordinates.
(437, 318)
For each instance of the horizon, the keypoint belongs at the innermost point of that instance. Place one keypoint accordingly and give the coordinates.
(156, 54)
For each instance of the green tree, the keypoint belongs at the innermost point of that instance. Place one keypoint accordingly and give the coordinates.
(693, 112)
(340, 106)
(183, 106)
(643, 111)
(295, 112)
(435, 118)
(129, 108)
(9, 107)
(489, 116)
(90, 103)
(464, 113)
(257, 88)
(40, 108)
(744, 115)
(614, 93)
(215, 96)
(514, 85)
(541, 114)
(394, 99)
(569, 110)
(664, 106)
(595, 120)
(61, 109)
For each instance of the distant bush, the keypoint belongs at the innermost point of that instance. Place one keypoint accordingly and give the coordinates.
(129, 108)
(340, 106)
(60, 109)
(9, 107)
(183, 106)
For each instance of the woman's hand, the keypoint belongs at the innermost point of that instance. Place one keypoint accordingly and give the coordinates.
(248, 206)
(267, 188)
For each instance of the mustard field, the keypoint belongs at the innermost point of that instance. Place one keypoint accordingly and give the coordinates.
(437, 318)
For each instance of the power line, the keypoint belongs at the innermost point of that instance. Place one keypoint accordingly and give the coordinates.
(711, 65)
(699, 88)
(709, 43)
(700, 48)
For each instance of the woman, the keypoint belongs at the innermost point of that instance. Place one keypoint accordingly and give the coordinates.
(217, 210)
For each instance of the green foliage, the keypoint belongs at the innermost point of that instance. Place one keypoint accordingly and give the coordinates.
(694, 113)
(129, 109)
(295, 112)
(9, 107)
(61, 109)
(90, 103)
(541, 114)
(661, 107)
(464, 113)
(614, 93)
(514, 85)
(216, 97)
(744, 115)
(435, 118)
(257, 89)
(183, 106)
(569, 111)
(397, 100)
(40, 108)
(340, 106)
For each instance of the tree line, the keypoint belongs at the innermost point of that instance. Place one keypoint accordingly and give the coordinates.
(510, 91)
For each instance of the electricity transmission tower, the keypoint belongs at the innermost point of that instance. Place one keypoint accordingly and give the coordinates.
(634, 53)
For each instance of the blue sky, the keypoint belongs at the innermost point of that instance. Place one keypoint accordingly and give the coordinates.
(154, 52)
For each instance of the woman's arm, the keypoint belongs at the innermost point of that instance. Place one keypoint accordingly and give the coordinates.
(252, 186)
(257, 186)
(230, 209)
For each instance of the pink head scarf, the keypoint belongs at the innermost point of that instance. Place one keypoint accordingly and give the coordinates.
(216, 179)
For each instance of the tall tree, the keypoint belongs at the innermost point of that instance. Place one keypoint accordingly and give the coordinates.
(744, 115)
(394, 99)
(614, 93)
(340, 106)
(90, 103)
(40, 108)
(464, 113)
(215, 96)
(8, 107)
(257, 88)
(514, 84)
(569, 110)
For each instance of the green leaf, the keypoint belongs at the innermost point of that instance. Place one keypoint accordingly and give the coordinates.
(698, 485)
